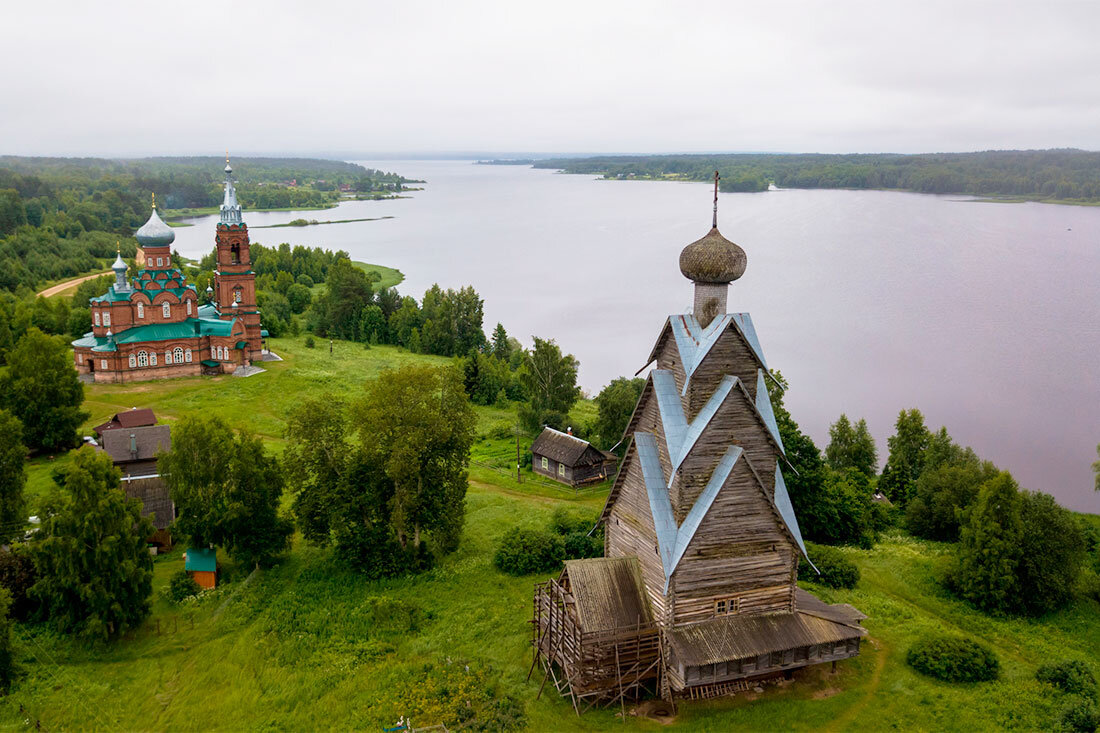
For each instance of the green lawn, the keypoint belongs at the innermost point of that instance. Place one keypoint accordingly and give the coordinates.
(303, 646)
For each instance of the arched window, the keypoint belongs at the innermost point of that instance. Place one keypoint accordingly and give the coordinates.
(187, 355)
(143, 358)
(235, 253)
(141, 310)
(177, 355)
(133, 361)
(221, 354)
(166, 309)
(95, 318)
(167, 357)
(159, 261)
(188, 307)
(236, 295)
(152, 358)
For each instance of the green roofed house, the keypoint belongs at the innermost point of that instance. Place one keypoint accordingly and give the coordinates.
(151, 326)
(696, 595)
(201, 563)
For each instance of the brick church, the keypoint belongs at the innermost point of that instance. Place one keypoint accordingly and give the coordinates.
(151, 326)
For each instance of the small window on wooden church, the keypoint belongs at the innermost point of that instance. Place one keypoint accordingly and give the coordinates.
(561, 469)
(166, 308)
(545, 463)
(141, 310)
(133, 361)
(726, 606)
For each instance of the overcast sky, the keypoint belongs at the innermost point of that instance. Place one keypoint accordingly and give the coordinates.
(114, 78)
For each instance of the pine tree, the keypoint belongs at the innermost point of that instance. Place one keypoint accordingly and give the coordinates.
(907, 452)
(989, 548)
(501, 348)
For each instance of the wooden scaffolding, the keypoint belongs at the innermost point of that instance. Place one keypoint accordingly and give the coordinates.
(591, 667)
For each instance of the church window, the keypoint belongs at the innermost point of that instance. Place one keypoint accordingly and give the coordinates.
(177, 355)
(725, 606)
(561, 469)
(106, 318)
(95, 317)
(187, 355)
(167, 357)
(141, 310)
(152, 358)
(79, 358)
(143, 358)
(166, 308)
(188, 307)
(159, 262)
(133, 361)
(236, 295)
(102, 363)
(545, 464)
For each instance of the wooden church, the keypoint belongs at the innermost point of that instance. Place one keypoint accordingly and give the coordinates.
(695, 596)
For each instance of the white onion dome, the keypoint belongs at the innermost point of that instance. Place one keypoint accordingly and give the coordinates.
(713, 259)
(155, 233)
(119, 265)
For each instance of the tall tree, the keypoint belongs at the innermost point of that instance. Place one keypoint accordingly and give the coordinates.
(417, 426)
(501, 347)
(1052, 553)
(550, 380)
(339, 309)
(851, 447)
(615, 404)
(40, 387)
(13, 477)
(988, 553)
(316, 460)
(907, 448)
(94, 571)
(226, 489)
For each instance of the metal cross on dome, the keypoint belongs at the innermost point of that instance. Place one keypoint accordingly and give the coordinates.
(714, 223)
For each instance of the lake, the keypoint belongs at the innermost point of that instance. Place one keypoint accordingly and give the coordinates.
(985, 316)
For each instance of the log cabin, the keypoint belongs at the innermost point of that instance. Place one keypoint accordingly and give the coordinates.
(568, 459)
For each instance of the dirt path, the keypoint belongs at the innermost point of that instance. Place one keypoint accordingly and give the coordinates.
(62, 287)
(881, 652)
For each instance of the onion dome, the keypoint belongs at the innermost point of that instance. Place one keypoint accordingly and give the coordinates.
(713, 259)
(119, 265)
(155, 233)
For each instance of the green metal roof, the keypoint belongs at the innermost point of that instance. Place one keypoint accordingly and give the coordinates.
(241, 345)
(111, 296)
(209, 363)
(158, 332)
(201, 559)
(215, 326)
(89, 340)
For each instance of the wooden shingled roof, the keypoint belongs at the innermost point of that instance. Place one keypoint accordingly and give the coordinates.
(742, 637)
(137, 444)
(608, 593)
(565, 448)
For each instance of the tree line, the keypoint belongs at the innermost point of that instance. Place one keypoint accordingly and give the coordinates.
(1064, 174)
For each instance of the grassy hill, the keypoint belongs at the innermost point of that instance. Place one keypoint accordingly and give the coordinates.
(309, 645)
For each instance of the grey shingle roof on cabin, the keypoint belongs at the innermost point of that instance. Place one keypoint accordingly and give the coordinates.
(565, 448)
(143, 446)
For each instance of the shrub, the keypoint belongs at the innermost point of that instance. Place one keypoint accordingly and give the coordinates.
(523, 551)
(837, 571)
(1080, 715)
(181, 586)
(563, 522)
(953, 659)
(309, 342)
(1070, 676)
(580, 545)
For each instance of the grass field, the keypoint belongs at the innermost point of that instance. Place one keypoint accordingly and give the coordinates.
(308, 645)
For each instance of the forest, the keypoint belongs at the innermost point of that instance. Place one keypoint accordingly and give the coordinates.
(1064, 175)
(61, 217)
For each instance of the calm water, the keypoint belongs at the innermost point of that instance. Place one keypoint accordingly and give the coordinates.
(985, 316)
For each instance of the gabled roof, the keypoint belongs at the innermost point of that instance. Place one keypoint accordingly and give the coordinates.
(128, 419)
(608, 593)
(680, 436)
(764, 407)
(673, 540)
(561, 447)
(782, 503)
(694, 342)
(126, 445)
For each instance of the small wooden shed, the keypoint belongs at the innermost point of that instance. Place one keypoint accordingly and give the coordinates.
(570, 460)
(201, 563)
